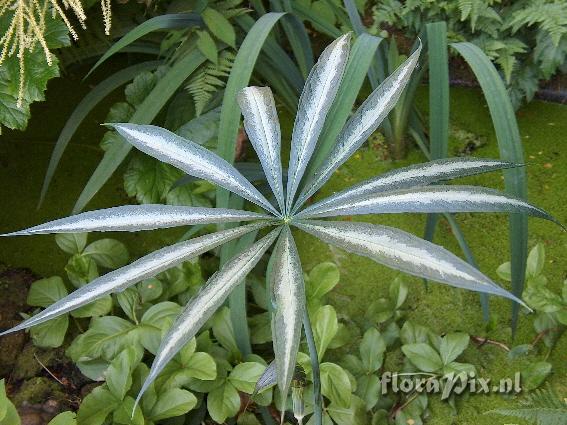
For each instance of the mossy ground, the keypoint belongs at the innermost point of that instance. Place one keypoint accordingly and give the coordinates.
(24, 157)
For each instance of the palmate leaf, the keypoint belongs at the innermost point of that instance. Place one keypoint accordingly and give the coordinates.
(431, 199)
(263, 129)
(363, 123)
(144, 268)
(289, 305)
(413, 176)
(403, 251)
(316, 99)
(132, 218)
(192, 159)
(205, 303)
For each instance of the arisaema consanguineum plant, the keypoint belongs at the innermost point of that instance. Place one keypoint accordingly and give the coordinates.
(405, 190)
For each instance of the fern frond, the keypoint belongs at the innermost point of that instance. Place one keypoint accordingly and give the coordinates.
(210, 79)
(550, 15)
(543, 407)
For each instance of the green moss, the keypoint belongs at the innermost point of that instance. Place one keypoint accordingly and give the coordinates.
(38, 390)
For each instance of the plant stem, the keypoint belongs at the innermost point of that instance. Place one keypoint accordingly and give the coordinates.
(317, 399)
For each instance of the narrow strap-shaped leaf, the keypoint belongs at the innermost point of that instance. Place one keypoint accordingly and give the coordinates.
(359, 61)
(144, 268)
(98, 93)
(403, 251)
(288, 293)
(205, 303)
(296, 34)
(274, 52)
(511, 149)
(263, 129)
(239, 78)
(133, 218)
(170, 21)
(145, 113)
(303, 11)
(191, 158)
(434, 199)
(363, 123)
(316, 99)
(413, 176)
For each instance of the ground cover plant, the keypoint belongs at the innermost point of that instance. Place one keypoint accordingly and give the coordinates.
(387, 245)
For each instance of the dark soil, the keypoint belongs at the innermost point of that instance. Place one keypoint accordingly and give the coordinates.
(40, 382)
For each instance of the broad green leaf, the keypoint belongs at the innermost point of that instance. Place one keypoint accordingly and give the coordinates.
(413, 176)
(141, 269)
(213, 294)
(372, 350)
(127, 414)
(45, 292)
(223, 402)
(81, 270)
(219, 26)
(73, 243)
(322, 279)
(106, 338)
(108, 253)
(536, 261)
(50, 334)
(132, 218)
(412, 333)
(363, 123)
(172, 403)
(96, 406)
(335, 384)
(423, 357)
(150, 289)
(368, 388)
(316, 99)
(403, 251)
(191, 158)
(65, 418)
(223, 330)
(207, 46)
(325, 327)
(504, 271)
(398, 292)
(129, 301)
(354, 414)
(452, 345)
(288, 294)
(119, 373)
(263, 129)
(8, 413)
(244, 376)
(535, 374)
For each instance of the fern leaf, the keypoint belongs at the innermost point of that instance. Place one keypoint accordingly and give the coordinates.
(209, 80)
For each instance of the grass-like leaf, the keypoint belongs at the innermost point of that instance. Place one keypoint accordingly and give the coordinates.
(169, 21)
